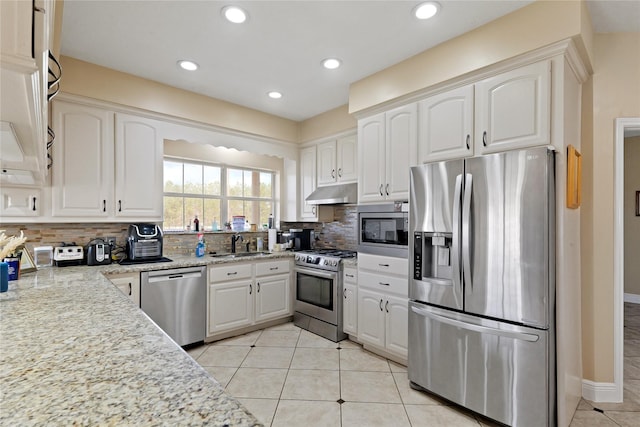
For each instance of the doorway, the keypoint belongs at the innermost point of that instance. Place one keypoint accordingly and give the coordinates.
(624, 127)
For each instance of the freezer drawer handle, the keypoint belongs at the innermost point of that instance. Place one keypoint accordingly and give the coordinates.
(477, 328)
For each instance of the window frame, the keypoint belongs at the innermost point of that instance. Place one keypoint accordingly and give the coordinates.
(223, 197)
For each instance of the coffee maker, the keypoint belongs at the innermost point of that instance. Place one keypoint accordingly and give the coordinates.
(301, 239)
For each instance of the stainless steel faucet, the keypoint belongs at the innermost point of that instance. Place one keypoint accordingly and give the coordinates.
(234, 239)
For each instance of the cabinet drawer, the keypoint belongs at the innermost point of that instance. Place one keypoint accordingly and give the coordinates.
(383, 264)
(272, 267)
(229, 272)
(350, 275)
(383, 283)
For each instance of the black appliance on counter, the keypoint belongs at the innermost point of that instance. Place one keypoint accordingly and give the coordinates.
(301, 239)
(98, 252)
(144, 242)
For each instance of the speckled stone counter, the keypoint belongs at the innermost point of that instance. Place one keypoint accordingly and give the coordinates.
(74, 350)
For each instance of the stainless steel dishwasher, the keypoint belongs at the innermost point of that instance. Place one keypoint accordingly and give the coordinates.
(177, 301)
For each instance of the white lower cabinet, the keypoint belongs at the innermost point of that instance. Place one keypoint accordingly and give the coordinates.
(129, 284)
(243, 294)
(382, 296)
(350, 301)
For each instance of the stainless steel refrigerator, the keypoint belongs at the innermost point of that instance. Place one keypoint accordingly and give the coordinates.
(482, 284)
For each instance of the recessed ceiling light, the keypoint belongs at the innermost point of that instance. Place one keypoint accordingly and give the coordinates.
(187, 65)
(234, 14)
(331, 63)
(274, 94)
(426, 10)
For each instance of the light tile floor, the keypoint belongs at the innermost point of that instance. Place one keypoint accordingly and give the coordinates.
(626, 413)
(286, 376)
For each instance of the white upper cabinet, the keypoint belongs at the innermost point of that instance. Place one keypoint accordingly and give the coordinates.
(445, 125)
(138, 179)
(99, 174)
(337, 161)
(82, 170)
(371, 147)
(20, 202)
(401, 150)
(513, 109)
(387, 147)
(310, 212)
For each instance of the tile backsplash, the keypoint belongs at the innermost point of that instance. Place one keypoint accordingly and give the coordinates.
(340, 233)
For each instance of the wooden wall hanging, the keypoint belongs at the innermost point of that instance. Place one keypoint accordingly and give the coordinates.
(574, 177)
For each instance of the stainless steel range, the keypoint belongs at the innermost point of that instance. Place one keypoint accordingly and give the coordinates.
(318, 302)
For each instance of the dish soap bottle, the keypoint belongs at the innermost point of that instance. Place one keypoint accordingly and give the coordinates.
(200, 246)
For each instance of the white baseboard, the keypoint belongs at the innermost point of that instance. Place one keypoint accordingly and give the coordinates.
(634, 298)
(601, 392)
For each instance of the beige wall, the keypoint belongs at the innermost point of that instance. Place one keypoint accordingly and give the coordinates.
(531, 27)
(615, 87)
(93, 81)
(327, 124)
(631, 221)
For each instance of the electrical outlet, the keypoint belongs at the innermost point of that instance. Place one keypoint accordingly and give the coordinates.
(111, 241)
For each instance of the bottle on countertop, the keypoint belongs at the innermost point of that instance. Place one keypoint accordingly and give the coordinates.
(214, 226)
(196, 224)
(200, 247)
(270, 220)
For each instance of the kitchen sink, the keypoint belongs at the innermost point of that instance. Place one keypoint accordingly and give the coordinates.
(240, 255)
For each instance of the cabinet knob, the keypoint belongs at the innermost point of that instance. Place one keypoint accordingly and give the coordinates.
(484, 138)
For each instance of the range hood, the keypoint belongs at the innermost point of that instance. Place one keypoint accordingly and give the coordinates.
(334, 195)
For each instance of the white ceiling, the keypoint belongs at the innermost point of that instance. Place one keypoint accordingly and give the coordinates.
(281, 45)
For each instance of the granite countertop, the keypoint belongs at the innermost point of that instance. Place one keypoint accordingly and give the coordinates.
(77, 351)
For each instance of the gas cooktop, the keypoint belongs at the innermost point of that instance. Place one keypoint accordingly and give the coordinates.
(325, 259)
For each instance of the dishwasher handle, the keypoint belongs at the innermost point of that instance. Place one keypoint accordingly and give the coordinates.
(178, 276)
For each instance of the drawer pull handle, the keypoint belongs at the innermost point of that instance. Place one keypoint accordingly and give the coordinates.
(384, 284)
(344, 292)
(383, 265)
(130, 288)
(273, 268)
(231, 274)
(250, 288)
(350, 275)
(34, 204)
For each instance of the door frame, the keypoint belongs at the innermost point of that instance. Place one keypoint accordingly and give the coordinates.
(621, 125)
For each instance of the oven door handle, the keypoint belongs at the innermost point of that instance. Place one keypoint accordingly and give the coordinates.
(316, 272)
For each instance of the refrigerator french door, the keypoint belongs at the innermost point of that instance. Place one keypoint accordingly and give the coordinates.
(481, 317)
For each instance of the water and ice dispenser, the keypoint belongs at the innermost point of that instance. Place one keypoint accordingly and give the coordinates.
(432, 257)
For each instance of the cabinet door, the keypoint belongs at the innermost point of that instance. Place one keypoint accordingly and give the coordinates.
(20, 202)
(350, 309)
(347, 158)
(513, 109)
(129, 284)
(307, 181)
(327, 173)
(230, 306)
(272, 297)
(82, 170)
(371, 317)
(371, 164)
(401, 150)
(445, 125)
(138, 177)
(397, 325)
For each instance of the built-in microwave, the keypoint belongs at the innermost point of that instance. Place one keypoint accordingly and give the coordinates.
(383, 229)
